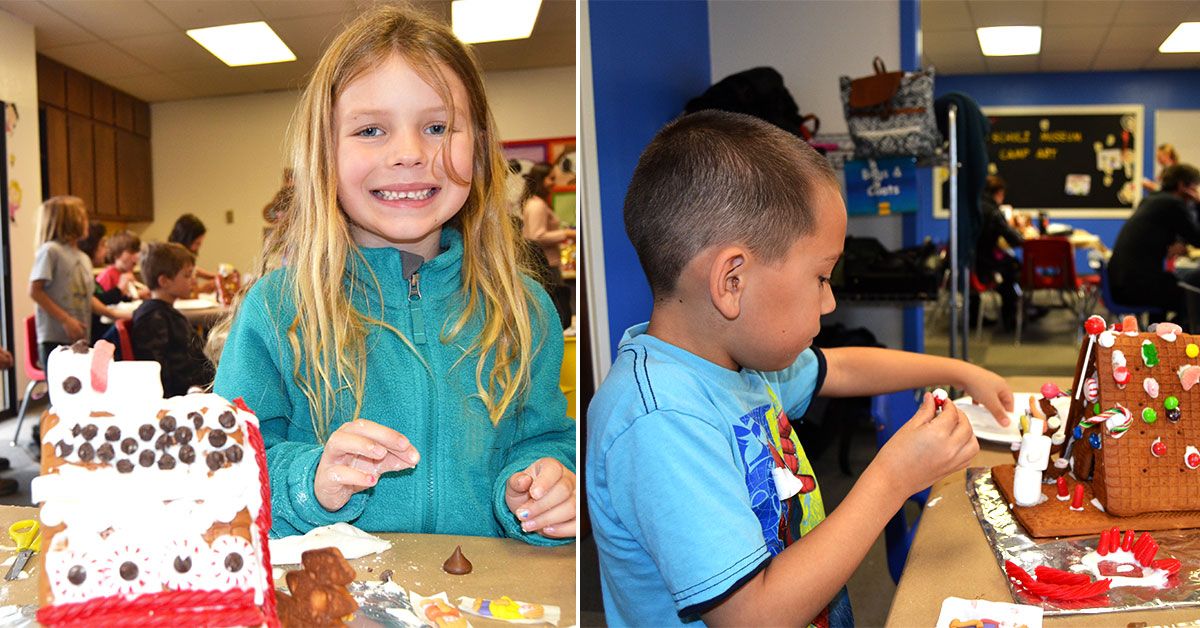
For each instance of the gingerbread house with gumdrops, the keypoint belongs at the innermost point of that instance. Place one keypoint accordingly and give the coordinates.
(1134, 424)
(153, 510)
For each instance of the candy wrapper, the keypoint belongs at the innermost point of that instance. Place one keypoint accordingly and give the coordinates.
(1010, 543)
(438, 611)
(385, 604)
(959, 612)
(509, 610)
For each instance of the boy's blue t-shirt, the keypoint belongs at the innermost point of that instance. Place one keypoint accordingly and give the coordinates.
(680, 483)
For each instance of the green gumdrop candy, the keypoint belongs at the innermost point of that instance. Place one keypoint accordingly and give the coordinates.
(1171, 403)
(1149, 415)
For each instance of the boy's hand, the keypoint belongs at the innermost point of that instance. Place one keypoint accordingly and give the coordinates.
(355, 455)
(543, 498)
(74, 329)
(928, 447)
(991, 391)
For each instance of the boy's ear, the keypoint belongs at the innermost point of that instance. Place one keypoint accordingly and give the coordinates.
(727, 281)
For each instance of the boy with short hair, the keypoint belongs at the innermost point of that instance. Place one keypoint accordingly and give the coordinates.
(160, 332)
(702, 501)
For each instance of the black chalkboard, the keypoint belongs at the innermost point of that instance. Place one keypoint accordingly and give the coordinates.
(1063, 159)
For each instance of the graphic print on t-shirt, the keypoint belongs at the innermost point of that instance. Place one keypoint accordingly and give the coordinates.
(767, 442)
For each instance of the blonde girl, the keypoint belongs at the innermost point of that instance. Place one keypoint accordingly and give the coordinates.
(403, 366)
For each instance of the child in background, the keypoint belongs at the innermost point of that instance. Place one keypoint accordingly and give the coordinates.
(124, 250)
(702, 500)
(61, 280)
(403, 367)
(160, 332)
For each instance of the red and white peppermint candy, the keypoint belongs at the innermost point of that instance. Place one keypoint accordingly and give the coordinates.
(1121, 376)
(77, 576)
(1191, 457)
(187, 564)
(1091, 389)
(1158, 448)
(235, 564)
(133, 569)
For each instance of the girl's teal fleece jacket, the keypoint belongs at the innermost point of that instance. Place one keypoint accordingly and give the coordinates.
(458, 485)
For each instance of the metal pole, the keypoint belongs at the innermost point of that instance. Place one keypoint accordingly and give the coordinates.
(954, 270)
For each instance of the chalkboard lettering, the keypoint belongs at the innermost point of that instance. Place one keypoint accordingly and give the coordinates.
(1047, 152)
(1010, 154)
(1061, 137)
(1011, 137)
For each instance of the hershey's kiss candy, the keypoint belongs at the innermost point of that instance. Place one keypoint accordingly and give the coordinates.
(457, 564)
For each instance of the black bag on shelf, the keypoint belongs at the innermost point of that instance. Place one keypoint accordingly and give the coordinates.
(758, 92)
(868, 270)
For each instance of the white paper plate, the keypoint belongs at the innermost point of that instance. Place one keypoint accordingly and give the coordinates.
(193, 304)
(985, 425)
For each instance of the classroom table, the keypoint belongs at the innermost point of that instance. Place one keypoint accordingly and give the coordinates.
(543, 575)
(950, 556)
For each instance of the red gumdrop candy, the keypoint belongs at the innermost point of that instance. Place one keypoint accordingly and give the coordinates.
(1093, 325)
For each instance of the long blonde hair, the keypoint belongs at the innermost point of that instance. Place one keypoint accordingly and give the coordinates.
(315, 241)
(61, 218)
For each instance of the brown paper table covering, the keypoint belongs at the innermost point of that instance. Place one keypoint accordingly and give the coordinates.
(544, 575)
(950, 557)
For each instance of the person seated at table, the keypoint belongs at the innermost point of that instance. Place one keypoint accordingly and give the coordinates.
(189, 231)
(124, 251)
(160, 332)
(993, 262)
(1164, 157)
(703, 503)
(94, 244)
(1160, 227)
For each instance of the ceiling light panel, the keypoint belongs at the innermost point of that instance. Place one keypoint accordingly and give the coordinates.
(1185, 38)
(251, 43)
(1008, 41)
(478, 21)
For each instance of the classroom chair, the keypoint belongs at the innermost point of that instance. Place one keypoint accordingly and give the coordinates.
(36, 375)
(1144, 313)
(125, 341)
(899, 532)
(1048, 264)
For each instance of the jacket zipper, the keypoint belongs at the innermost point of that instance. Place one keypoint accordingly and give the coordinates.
(418, 333)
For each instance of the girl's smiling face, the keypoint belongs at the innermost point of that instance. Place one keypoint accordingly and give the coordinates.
(390, 134)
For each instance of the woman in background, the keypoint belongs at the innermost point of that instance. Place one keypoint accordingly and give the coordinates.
(541, 226)
(189, 231)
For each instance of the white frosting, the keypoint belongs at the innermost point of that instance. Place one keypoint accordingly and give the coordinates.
(1156, 578)
(1107, 339)
(147, 516)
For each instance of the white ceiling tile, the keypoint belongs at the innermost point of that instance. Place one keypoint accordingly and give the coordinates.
(282, 9)
(308, 36)
(955, 42)
(1012, 65)
(50, 28)
(170, 52)
(100, 60)
(1006, 12)
(153, 87)
(1136, 38)
(555, 49)
(1064, 62)
(1081, 12)
(1173, 61)
(205, 13)
(945, 15)
(1080, 40)
(1117, 60)
(111, 19)
(1139, 12)
(956, 64)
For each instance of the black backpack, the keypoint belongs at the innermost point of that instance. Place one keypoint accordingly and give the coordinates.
(758, 92)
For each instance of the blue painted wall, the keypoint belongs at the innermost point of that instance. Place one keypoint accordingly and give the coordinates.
(648, 60)
(1153, 90)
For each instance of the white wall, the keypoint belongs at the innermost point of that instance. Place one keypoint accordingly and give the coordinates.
(218, 155)
(18, 84)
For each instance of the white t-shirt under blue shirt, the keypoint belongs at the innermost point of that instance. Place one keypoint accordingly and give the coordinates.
(680, 463)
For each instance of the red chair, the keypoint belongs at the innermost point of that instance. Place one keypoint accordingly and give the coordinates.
(1049, 264)
(125, 340)
(982, 289)
(36, 375)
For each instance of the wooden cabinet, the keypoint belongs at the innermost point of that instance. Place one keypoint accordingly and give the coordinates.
(96, 144)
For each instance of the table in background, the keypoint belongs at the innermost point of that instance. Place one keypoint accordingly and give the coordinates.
(543, 575)
(950, 556)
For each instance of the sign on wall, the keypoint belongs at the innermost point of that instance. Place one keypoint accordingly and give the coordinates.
(881, 186)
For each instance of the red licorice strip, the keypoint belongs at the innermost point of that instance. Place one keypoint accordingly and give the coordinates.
(1114, 539)
(1058, 592)
(1102, 544)
(1172, 565)
(1050, 575)
(1127, 540)
(1141, 542)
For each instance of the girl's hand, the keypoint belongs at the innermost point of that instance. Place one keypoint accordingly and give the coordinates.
(543, 498)
(355, 455)
(74, 329)
(991, 391)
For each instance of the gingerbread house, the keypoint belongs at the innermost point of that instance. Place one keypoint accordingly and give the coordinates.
(1134, 426)
(152, 509)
